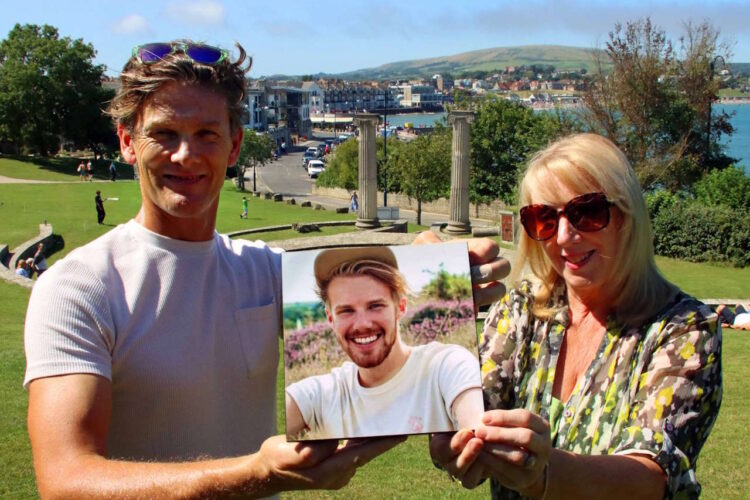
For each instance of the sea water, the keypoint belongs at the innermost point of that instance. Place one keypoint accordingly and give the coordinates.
(738, 145)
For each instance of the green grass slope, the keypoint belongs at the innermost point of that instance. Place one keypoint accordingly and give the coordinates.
(495, 59)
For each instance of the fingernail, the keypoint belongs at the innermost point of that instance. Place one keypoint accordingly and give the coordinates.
(481, 272)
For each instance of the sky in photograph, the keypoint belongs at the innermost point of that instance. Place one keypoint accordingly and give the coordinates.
(418, 263)
(297, 37)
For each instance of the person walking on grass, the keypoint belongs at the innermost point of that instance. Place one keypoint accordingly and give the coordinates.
(112, 171)
(100, 213)
(81, 171)
(243, 215)
(90, 170)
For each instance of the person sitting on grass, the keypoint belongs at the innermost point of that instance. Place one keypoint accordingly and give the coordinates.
(22, 269)
(739, 319)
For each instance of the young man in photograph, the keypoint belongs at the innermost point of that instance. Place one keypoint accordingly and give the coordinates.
(388, 387)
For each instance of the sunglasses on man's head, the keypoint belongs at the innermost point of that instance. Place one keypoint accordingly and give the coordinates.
(587, 213)
(151, 53)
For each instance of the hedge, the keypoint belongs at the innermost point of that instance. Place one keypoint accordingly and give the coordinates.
(694, 232)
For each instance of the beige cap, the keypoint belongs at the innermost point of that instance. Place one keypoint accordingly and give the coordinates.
(328, 260)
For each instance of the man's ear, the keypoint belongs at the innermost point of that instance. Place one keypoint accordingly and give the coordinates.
(329, 315)
(127, 145)
(236, 146)
(401, 307)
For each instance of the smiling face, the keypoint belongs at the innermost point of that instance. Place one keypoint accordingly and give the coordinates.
(585, 260)
(364, 316)
(183, 144)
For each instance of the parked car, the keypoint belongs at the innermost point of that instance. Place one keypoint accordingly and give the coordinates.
(312, 149)
(315, 168)
(309, 156)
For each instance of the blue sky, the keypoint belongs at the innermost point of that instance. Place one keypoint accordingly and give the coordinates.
(298, 37)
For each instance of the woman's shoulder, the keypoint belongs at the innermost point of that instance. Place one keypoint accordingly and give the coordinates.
(684, 319)
(685, 309)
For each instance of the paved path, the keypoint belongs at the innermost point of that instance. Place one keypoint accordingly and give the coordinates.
(287, 176)
(13, 180)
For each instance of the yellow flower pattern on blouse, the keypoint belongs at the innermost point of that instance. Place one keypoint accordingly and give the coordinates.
(655, 389)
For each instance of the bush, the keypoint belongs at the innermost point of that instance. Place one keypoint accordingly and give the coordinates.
(342, 169)
(729, 187)
(658, 200)
(697, 233)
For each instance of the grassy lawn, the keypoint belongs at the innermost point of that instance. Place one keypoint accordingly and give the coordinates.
(706, 280)
(57, 169)
(70, 209)
(404, 472)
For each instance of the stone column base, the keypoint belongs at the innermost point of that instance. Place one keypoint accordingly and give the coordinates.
(367, 223)
(455, 227)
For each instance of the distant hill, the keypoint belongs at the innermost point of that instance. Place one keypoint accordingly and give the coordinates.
(740, 68)
(561, 57)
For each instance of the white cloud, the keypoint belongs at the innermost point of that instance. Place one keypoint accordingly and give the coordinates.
(201, 12)
(131, 24)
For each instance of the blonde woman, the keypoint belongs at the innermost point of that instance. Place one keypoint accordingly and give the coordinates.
(601, 378)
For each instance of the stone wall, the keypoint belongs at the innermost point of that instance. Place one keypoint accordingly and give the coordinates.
(441, 206)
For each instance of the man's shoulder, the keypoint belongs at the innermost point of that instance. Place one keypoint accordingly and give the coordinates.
(95, 256)
(328, 382)
(251, 254)
(439, 354)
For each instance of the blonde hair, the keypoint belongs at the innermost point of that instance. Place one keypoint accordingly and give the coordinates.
(587, 163)
(388, 275)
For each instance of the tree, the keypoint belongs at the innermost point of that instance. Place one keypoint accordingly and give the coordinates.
(424, 167)
(50, 92)
(729, 187)
(256, 149)
(388, 179)
(342, 170)
(503, 137)
(654, 102)
(447, 286)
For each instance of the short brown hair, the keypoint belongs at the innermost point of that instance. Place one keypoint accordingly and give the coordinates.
(390, 276)
(140, 81)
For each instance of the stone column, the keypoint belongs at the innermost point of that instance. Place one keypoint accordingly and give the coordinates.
(367, 215)
(459, 222)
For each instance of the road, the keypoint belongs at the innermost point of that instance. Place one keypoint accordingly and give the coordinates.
(286, 176)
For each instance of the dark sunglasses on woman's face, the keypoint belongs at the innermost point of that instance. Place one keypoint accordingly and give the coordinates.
(151, 53)
(587, 213)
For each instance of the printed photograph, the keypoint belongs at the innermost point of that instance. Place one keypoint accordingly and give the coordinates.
(379, 341)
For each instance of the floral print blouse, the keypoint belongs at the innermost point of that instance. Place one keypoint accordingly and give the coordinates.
(654, 390)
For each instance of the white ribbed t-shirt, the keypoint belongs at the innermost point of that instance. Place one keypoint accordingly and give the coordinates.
(187, 332)
(416, 400)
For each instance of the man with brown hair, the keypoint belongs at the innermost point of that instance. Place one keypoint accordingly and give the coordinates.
(388, 388)
(152, 350)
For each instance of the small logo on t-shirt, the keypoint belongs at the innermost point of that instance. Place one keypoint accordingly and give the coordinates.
(415, 424)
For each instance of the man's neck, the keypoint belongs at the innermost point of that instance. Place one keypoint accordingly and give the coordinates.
(185, 229)
(378, 375)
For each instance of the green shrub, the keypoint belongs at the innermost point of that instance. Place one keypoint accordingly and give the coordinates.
(658, 200)
(695, 232)
(728, 187)
(342, 169)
